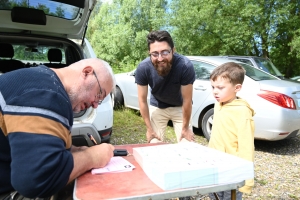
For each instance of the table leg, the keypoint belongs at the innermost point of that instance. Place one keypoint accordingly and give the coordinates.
(216, 196)
(233, 194)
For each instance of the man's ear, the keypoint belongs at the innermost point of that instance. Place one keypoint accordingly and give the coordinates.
(238, 87)
(87, 70)
(174, 49)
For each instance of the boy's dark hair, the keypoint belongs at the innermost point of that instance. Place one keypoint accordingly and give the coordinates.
(232, 71)
(160, 36)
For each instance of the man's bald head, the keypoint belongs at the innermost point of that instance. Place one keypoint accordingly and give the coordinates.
(101, 68)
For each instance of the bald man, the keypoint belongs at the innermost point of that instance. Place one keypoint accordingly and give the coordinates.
(37, 158)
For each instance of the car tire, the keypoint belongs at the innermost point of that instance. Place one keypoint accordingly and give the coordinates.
(207, 123)
(118, 99)
(112, 97)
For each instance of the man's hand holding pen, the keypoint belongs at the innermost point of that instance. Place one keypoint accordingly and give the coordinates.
(101, 154)
(92, 157)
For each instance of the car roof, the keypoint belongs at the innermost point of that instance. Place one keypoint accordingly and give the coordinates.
(217, 61)
(239, 56)
(59, 18)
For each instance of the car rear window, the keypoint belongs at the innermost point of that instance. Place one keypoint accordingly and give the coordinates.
(256, 74)
(203, 71)
(35, 55)
(52, 8)
(267, 66)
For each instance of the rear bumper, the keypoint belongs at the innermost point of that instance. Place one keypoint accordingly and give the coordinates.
(275, 136)
(293, 134)
(105, 135)
(79, 134)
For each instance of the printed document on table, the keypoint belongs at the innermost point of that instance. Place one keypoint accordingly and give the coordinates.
(115, 165)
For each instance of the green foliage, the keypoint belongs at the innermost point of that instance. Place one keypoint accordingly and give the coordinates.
(118, 31)
(5, 4)
(59, 12)
(256, 27)
(268, 28)
(21, 53)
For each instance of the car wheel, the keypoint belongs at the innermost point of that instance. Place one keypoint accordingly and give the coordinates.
(112, 95)
(207, 123)
(118, 99)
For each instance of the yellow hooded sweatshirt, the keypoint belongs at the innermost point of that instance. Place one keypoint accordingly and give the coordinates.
(233, 132)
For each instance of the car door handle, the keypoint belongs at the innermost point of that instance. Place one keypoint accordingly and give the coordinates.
(200, 87)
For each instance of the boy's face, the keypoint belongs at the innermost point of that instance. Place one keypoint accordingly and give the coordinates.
(224, 91)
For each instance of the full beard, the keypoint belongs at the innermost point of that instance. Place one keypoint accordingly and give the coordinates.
(163, 67)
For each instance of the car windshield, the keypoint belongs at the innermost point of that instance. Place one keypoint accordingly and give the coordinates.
(52, 8)
(256, 74)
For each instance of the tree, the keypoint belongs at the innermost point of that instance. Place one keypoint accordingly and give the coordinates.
(241, 27)
(5, 4)
(43, 7)
(267, 28)
(118, 31)
(60, 12)
(287, 50)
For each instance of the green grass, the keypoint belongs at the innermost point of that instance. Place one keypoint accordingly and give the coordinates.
(129, 128)
(261, 182)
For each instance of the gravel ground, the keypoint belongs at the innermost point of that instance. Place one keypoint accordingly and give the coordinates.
(277, 170)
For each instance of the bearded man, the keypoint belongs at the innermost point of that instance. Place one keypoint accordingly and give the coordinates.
(170, 77)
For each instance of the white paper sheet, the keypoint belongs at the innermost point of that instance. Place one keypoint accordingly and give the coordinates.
(116, 164)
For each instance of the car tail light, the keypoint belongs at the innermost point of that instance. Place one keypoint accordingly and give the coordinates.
(105, 134)
(278, 99)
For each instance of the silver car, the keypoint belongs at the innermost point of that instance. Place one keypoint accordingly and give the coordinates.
(276, 102)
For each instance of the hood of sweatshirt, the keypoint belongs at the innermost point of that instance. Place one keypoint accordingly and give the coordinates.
(238, 102)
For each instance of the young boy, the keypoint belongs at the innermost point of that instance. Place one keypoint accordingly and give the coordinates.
(233, 126)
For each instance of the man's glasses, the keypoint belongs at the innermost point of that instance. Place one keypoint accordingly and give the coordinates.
(98, 96)
(163, 53)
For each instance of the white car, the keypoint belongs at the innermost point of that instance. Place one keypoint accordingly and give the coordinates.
(52, 33)
(276, 102)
